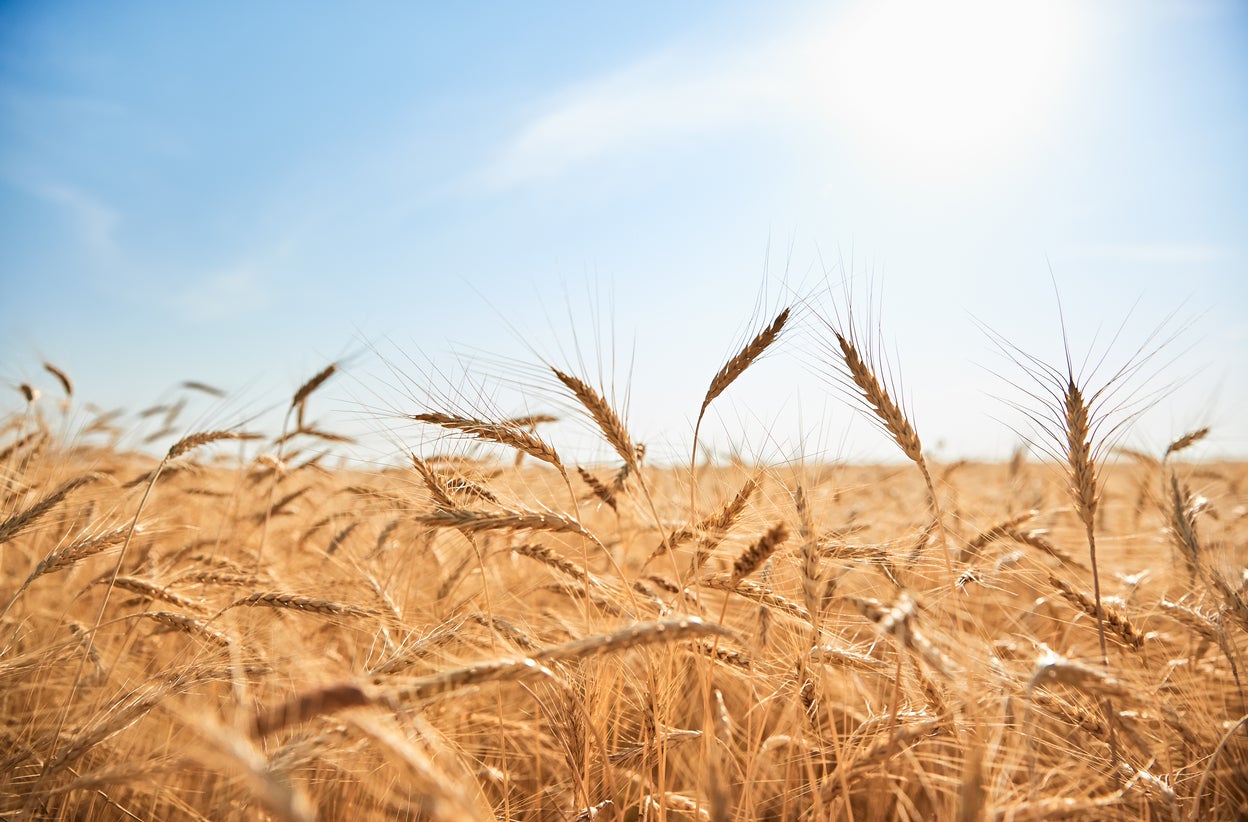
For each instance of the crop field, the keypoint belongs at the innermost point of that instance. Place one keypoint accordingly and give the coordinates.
(245, 628)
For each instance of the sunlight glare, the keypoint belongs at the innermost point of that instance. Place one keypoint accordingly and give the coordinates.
(938, 90)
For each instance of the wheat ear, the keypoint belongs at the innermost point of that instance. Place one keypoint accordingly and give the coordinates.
(734, 368)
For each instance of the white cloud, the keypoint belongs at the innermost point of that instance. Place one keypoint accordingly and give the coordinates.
(653, 100)
(935, 93)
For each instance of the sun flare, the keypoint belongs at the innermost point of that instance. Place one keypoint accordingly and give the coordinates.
(934, 90)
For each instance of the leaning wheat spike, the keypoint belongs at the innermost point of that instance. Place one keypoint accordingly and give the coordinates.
(506, 629)
(604, 415)
(341, 536)
(188, 625)
(1185, 441)
(298, 603)
(466, 487)
(758, 593)
(1036, 539)
(901, 622)
(1052, 667)
(548, 557)
(744, 358)
(203, 438)
(203, 388)
(729, 656)
(599, 488)
(76, 552)
(215, 577)
(727, 375)
(1183, 527)
(501, 433)
(324, 701)
(751, 558)
(996, 532)
(151, 590)
(892, 418)
(66, 384)
(1115, 618)
(506, 519)
(1208, 628)
(301, 395)
(878, 400)
(23, 520)
(842, 656)
(434, 482)
(714, 527)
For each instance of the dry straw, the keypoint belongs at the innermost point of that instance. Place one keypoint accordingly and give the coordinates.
(331, 699)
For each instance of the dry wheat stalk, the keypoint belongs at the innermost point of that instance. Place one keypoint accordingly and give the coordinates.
(842, 656)
(996, 532)
(732, 370)
(214, 577)
(23, 520)
(323, 701)
(501, 433)
(189, 625)
(1036, 539)
(1182, 528)
(743, 359)
(879, 401)
(1115, 618)
(900, 620)
(150, 589)
(1208, 628)
(434, 482)
(203, 388)
(751, 558)
(756, 592)
(76, 552)
(564, 566)
(604, 415)
(190, 443)
(468, 521)
(1052, 667)
(61, 377)
(273, 599)
(341, 536)
(601, 490)
(300, 399)
(506, 629)
(713, 528)
(1186, 441)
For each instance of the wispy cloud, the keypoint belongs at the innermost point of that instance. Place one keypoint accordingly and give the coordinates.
(882, 73)
(676, 93)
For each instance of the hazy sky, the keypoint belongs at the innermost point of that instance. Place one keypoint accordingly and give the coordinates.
(240, 193)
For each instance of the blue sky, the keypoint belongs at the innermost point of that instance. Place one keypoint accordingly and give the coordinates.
(238, 193)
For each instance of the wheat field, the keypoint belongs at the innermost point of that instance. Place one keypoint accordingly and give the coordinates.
(239, 630)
